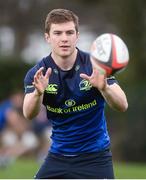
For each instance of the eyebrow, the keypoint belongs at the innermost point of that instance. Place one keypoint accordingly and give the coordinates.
(71, 30)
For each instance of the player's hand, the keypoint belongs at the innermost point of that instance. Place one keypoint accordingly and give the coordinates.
(97, 78)
(41, 81)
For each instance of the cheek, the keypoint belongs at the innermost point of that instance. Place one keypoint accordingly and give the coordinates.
(53, 42)
(74, 41)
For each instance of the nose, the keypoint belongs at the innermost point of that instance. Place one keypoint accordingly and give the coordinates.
(64, 37)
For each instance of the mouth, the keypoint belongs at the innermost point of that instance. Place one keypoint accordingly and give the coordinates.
(64, 46)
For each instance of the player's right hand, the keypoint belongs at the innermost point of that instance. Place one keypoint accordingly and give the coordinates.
(41, 81)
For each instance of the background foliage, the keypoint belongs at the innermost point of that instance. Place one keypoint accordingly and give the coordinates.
(12, 74)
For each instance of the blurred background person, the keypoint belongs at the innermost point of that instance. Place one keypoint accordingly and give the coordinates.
(16, 137)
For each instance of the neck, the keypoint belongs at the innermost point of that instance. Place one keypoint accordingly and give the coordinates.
(65, 62)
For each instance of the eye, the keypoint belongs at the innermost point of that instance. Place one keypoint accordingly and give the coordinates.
(70, 32)
(57, 33)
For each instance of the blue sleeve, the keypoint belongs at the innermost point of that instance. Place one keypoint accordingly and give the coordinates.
(111, 80)
(29, 78)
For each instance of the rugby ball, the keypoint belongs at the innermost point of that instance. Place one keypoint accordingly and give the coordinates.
(110, 52)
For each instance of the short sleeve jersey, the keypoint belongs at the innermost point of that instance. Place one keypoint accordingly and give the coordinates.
(75, 108)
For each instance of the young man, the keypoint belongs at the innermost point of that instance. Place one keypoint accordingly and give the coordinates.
(74, 93)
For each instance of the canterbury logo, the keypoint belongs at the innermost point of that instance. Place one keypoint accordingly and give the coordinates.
(85, 85)
(52, 89)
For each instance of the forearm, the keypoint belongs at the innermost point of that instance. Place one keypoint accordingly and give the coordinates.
(31, 105)
(115, 97)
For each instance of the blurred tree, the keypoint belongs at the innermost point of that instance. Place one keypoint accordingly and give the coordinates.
(11, 76)
(129, 17)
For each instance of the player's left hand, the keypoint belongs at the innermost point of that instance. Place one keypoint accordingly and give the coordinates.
(97, 78)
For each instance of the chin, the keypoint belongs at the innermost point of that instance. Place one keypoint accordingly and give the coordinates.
(66, 54)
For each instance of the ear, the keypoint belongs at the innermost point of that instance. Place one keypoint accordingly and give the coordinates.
(78, 35)
(47, 37)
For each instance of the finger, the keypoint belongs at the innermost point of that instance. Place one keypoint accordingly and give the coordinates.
(85, 76)
(35, 79)
(37, 89)
(34, 84)
(97, 71)
(48, 73)
(41, 69)
(96, 65)
(39, 72)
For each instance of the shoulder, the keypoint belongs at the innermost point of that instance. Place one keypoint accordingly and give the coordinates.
(83, 55)
(29, 78)
(83, 59)
(42, 63)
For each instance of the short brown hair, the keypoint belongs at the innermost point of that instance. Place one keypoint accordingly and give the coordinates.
(57, 16)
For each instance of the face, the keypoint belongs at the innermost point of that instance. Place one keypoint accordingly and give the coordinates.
(62, 38)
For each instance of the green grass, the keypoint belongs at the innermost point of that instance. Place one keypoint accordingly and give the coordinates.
(21, 169)
(130, 170)
(26, 169)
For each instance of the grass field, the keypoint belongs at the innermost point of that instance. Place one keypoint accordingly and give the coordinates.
(26, 169)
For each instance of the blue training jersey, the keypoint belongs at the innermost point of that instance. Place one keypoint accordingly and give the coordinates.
(4, 107)
(75, 108)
